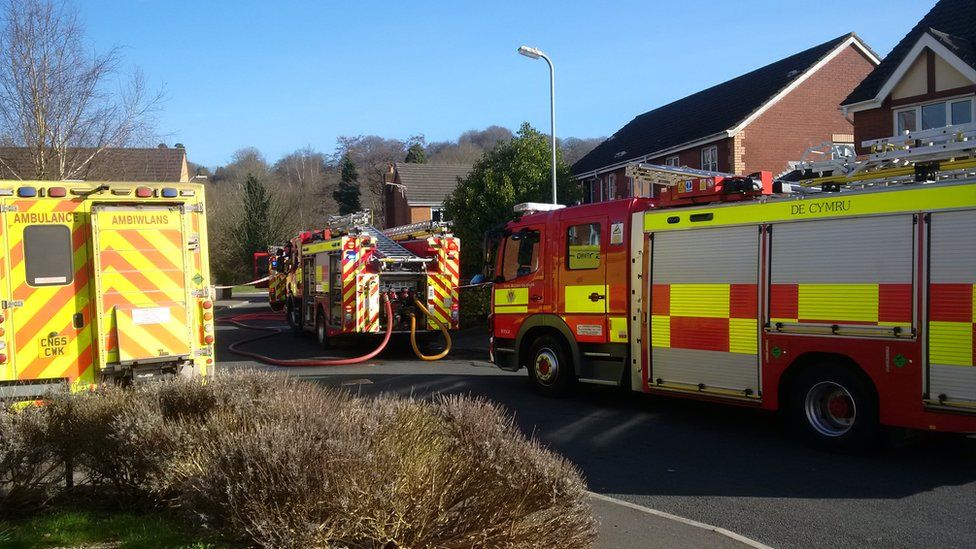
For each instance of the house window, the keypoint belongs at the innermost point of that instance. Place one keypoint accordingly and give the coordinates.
(588, 188)
(611, 187)
(934, 115)
(672, 161)
(437, 214)
(710, 159)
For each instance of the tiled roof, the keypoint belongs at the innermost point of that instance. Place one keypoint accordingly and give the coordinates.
(429, 183)
(119, 164)
(703, 114)
(952, 22)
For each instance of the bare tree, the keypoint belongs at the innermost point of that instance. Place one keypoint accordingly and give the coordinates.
(63, 103)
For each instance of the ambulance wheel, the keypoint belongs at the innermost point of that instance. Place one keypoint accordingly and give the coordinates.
(833, 407)
(550, 368)
(321, 333)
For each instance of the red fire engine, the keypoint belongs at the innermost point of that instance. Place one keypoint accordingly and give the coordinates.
(848, 301)
(332, 281)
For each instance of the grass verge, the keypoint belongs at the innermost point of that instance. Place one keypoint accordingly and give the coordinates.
(77, 528)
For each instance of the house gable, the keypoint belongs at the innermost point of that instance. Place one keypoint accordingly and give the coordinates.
(927, 64)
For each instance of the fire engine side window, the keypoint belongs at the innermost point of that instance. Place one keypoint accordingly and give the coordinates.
(521, 254)
(47, 255)
(583, 247)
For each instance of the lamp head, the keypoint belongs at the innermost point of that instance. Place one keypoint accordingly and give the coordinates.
(532, 53)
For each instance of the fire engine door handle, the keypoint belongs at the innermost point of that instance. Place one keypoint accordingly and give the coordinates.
(597, 297)
(536, 298)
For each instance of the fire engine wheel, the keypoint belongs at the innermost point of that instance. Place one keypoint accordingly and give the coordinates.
(549, 367)
(834, 407)
(321, 334)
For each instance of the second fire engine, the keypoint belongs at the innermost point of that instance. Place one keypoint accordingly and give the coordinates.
(331, 282)
(848, 308)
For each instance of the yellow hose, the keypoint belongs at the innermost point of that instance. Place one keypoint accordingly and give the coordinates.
(413, 334)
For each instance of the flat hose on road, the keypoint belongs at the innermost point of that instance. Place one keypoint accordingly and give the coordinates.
(234, 347)
(413, 334)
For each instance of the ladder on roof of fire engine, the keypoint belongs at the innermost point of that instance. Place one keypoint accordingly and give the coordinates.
(938, 154)
(362, 222)
(414, 230)
(669, 176)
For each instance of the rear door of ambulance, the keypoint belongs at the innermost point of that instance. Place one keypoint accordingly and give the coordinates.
(46, 331)
(141, 284)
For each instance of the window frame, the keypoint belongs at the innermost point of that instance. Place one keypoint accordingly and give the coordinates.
(704, 152)
(537, 256)
(599, 244)
(673, 161)
(31, 281)
(917, 110)
(611, 186)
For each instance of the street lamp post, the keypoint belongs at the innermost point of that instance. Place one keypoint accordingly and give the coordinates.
(534, 53)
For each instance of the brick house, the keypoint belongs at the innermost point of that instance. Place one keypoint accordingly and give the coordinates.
(160, 164)
(416, 192)
(761, 120)
(927, 81)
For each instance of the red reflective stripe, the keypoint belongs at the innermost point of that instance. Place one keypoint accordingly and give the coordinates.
(784, 301)
(661, 299)
(895, 303)
(743, 301)
(706, 334)
(951, 302)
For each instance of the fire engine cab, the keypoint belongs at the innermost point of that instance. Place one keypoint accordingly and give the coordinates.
(845, 298)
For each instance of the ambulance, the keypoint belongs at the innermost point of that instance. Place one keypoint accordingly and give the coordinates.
(102, 282)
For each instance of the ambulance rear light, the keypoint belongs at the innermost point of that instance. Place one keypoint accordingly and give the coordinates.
(208, 339)
(122, 192)
(57, 192)
(144, 192)
(207, 304)
(6, 192)
(188, 192)
(208, 315)
(26, 192)
(170, 192)
(3, 358)
(3, 345)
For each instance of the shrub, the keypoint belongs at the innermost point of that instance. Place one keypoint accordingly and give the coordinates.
(273, 461)
(28, 469)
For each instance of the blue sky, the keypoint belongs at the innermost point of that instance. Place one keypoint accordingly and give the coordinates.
(284, 75)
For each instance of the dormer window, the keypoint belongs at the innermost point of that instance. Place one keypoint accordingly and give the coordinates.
(934, 115)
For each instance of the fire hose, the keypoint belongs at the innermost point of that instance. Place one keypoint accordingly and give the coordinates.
(413, 334)
(234, 347)
(238, 321)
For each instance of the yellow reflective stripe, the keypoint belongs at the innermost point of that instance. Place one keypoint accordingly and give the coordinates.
(839, 302)
(700, 300)
(951, 343)
(509, 309)
(743, 333)
(578, 298)
(907, 200)
(660, 331)
(618, 329)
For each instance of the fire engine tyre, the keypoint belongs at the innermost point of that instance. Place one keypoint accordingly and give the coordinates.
(321, 334)
(550, 368)
(834, 408)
